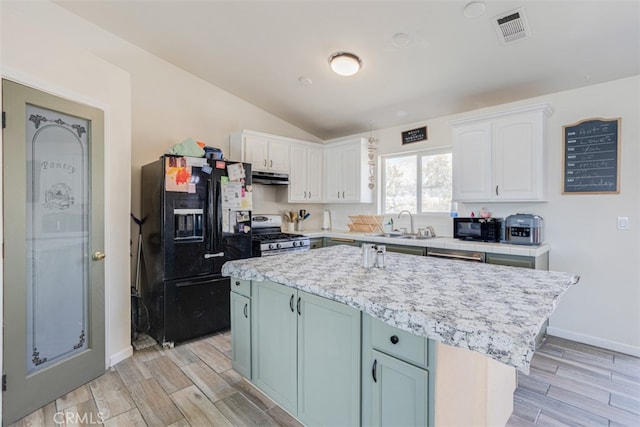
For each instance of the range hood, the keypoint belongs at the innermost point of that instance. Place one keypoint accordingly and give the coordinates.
(269, 178)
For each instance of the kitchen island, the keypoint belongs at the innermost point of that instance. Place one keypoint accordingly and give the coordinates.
(494, 311)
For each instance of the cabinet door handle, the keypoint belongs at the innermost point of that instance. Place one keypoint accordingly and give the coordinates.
(394, 339)
(343, 194)
(264, 162)
(246, 306)
(309, 194)
(497, 193)
(373, 371)
(291, 303)
(305, 194)
(299, 314)
(271, 163)
(338, 194)
(237, 283)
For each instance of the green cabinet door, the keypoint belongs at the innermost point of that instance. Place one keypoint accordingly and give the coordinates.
(241, 334)
(399, 392)
(328, 362)
(274, 342)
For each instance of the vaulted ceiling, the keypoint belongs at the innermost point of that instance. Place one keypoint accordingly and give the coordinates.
(421, 59)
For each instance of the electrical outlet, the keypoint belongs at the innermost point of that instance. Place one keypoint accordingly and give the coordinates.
(623, 223)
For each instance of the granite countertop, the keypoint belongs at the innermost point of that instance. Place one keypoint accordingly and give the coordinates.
(495, 310)
(437, 242)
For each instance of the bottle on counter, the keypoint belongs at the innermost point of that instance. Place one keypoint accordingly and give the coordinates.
(381, 251)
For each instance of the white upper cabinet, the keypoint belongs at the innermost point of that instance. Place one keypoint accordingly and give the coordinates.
(347, 172)
(306, 173)
(501, 156)
(264, 152)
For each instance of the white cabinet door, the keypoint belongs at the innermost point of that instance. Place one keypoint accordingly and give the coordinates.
(314, 174)
(501, 157)
(517, 155)
(346, 173)
(351, 171)
(256, 152)
(305, 176)
(333, 175)
(278, 156)
(298, 174)
(472, 162)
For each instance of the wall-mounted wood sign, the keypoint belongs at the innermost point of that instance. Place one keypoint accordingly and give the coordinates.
(414, 135)
(591, 157)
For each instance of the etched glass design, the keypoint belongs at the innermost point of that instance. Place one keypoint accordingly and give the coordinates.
(57, 234)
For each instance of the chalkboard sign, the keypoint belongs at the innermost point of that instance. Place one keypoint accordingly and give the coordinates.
(591, 157)
(414, 135)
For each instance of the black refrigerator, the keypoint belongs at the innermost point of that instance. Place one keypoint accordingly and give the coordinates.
(196, 215)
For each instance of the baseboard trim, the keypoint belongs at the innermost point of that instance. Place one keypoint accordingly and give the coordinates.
(120, 356)
(595, 341)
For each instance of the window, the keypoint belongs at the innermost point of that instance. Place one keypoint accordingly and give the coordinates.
(401, 188)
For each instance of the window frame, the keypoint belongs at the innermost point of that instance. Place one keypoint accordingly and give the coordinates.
(419, 155)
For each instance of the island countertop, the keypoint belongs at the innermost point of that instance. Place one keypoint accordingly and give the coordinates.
(495, 310)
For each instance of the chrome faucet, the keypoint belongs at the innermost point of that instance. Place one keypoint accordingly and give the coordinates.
(410, 218)
(432, 232)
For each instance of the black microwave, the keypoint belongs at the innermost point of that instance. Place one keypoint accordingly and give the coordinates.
(481, 229)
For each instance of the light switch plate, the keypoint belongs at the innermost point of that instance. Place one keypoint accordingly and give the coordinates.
(623, 223)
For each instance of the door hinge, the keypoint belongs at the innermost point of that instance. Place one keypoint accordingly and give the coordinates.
(4, 120)
(4, 382)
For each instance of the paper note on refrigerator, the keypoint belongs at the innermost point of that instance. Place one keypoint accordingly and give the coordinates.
(232, 195)
(177, 174)
(235, 172)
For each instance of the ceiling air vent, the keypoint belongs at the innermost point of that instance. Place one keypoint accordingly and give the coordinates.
(511, 26)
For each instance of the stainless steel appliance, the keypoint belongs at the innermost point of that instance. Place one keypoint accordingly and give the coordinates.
(481, 229)
(473, 256)
(268, 239)
(524, 229)
(191, 228)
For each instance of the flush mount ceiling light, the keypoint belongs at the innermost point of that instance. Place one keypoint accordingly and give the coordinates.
(344, 63)
(474, 9)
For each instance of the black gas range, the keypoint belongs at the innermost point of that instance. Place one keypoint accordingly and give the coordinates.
(268, 239)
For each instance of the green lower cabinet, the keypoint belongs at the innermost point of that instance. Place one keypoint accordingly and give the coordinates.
(397, 380)
(410, 250)
(241, 334)
(399, 392)
(328, 362)
(316, 242)
(274, 343)
(306, 354)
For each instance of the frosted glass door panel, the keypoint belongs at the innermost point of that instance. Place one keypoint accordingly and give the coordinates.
(57, 235)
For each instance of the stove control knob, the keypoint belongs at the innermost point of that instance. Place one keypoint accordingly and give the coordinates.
(295, 243)
(270, 245)
(301, 243)
(278, 245)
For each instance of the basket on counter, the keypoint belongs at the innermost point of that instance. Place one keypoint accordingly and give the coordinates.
(366, 223)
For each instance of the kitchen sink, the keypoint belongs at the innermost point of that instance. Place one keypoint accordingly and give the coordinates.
(401, 236)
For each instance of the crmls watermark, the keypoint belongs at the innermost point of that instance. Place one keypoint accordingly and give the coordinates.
(75, 418)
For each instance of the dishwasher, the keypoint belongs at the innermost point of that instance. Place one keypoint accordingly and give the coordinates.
(472, 256)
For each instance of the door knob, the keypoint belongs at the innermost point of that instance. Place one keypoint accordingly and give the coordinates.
(98, 256)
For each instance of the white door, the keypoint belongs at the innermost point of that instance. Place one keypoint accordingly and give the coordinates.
(54, 339)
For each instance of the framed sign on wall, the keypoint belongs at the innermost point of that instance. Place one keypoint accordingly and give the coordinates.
(591, 157)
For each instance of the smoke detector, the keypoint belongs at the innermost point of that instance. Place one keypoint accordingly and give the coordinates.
(511, 26)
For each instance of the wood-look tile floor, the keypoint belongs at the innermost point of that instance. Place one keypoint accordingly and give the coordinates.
(193, 384)
(574, 384)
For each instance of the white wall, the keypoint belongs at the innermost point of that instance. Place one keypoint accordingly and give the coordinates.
(604, 308)
(38, 57)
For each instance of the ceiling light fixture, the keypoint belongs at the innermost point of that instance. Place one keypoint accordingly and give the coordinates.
(344, 63)
(474, 9)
